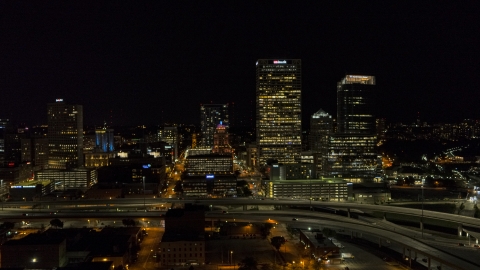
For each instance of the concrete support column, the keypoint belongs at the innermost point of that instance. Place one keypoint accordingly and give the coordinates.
(421, 225)
(245, 207)
(460, 229)
(348, 212)
(410, 257)
(384, 216)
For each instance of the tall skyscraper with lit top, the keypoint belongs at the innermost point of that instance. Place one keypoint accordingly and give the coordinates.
(65, 135)
(355, 105)
(278, 110)
(352, 153)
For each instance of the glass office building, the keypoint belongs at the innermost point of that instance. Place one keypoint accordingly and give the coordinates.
(351, 157)
(352, 152)
(65, 135)
(278, 110)
(355, 104)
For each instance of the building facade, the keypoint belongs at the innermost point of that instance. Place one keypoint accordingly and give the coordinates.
(355, 105)
(80, 178)
(183, 242)
(324, 190)
(209, 164)
(212, 115)
(221, 144)
(278, 110)
(352, 150)
(352, 157)
(104, 139)
(65, 135)
(321, 126)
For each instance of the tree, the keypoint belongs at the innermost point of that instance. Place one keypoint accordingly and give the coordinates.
(248, 263)
(57, 223)
(265, 229)
(476, 214)
(277, 241)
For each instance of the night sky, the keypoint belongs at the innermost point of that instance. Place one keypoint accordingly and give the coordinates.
(144, 62)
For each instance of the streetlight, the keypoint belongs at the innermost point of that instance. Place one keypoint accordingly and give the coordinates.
(422, 212)
(144, 193)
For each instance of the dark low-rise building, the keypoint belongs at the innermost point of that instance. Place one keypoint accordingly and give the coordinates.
(183, 242)
(35, 251)
(320, 246)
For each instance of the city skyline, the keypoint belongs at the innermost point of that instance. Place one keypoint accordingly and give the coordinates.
(150, 63)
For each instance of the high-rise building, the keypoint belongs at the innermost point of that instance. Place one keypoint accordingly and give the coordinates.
(221, 144)
(212, 115)
(352, 153)
(3, 139)
(35, 150)
(65, 135)
(104, 139)
(355, 104)
(278, 110)
(170, 136)
(321, 125)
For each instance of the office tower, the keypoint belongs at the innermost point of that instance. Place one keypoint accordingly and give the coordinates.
(170, 136)
(104, 139)
(35, 150)
(321, 125)
(278, 110)
(351, 153)
(211, 115)
(3, 138)
(65, 135)
(221, 144)
(355, 105)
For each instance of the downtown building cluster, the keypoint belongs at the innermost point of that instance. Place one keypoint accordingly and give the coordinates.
(341, 152)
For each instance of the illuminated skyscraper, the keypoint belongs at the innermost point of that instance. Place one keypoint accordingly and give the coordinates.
(355, 104)
(321, 125)
(65, 135)
(278, 110)
(221, 144)
(212, 115)
(3, 138)
(104, 139)
(352, 153)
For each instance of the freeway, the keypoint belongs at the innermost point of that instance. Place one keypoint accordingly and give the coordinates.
(136, 204)
(402, 237)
